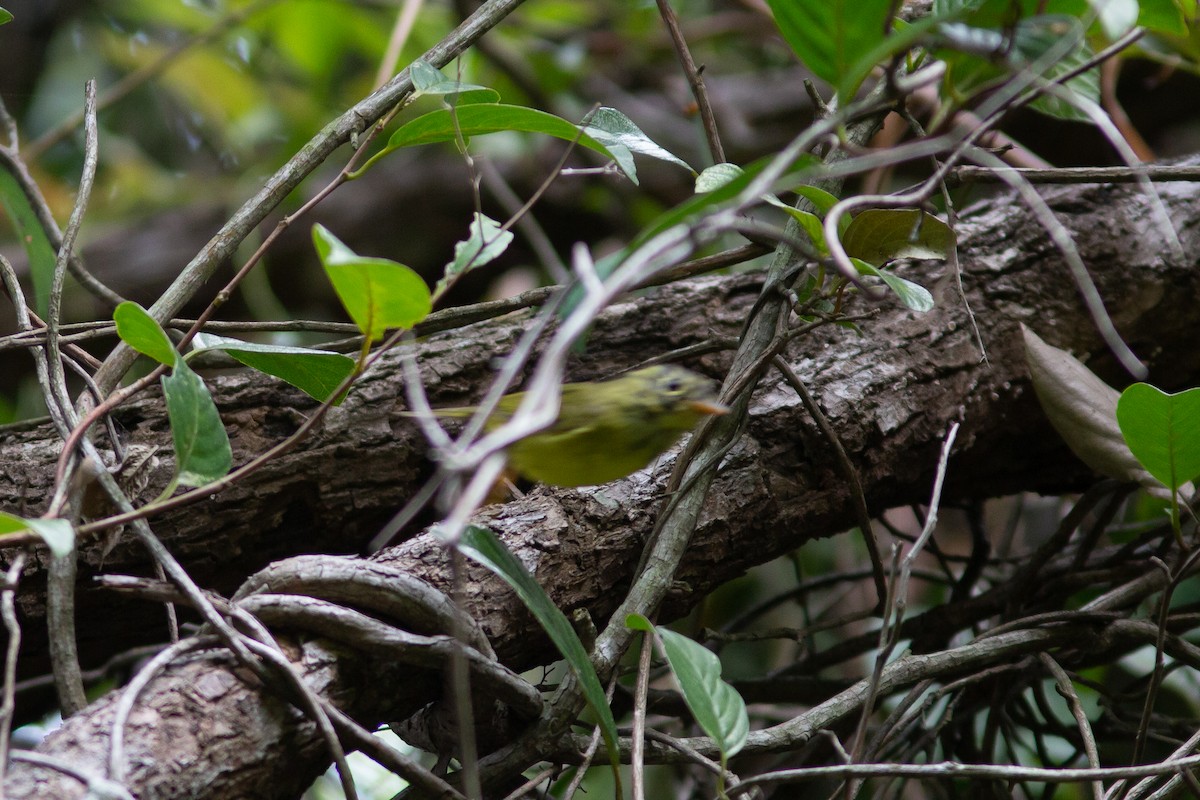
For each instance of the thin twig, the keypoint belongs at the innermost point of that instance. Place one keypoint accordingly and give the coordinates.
(1067, 690)
(400, 33)
(637, 762)
(695, 80)
(1158, 173)
(12, 627)
(857, 496)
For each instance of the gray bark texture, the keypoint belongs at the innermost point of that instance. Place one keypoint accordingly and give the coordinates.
(204, 728)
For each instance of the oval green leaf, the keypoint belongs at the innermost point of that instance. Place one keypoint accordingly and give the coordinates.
(317, 373)
(377, 293)
(830, 36)
(879, 235)
(1163, 431)
(202, 451)
(913, 295)
(481, 545)
(715, 704)
(142, 332)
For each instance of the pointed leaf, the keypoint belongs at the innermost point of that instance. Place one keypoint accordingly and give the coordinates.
(446, 125)
(486, 242)
(58, 534)
(38, 250)
(317, 373)
(378, 294)
(5, 16)
(913, 295)
(1163, 431)
(830, 36)
(879, 235)
(142, 332)
(481, 545)
(611, 128)
(821, 199)
(202, 452)
(809, 223)
(715, 704)
(1083, 409)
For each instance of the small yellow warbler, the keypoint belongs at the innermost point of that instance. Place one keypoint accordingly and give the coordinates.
(608, 429)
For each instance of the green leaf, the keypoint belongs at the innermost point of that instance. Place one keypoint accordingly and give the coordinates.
(445, 125)
(988, 48)
(377, 293)
(612, 129)
(428, 80)
(5, 16)
(1036, 37)
(317, 373)
(202, 452)
(879, 235)
(715, 704)
(481, 545)
(486, 242)
(40, 252)
(142, 332)
(1163, 16)
(913, 295)
(58, 534)
(821, 199)
(830, 36)
(1163, 431)
(716, 176)
(810, 223)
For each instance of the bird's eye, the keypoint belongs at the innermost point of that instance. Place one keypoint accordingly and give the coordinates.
(674, 386)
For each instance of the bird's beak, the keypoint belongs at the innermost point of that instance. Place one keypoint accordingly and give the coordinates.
(708, 407)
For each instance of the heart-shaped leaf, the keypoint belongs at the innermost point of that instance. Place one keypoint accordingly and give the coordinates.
(1163, 431)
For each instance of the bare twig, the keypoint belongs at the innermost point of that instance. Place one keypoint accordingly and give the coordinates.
(1067, 690)
(637, 765)
(8, 613)
(695, 80)
(851, 474)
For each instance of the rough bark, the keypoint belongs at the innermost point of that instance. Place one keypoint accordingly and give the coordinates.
(890, 393)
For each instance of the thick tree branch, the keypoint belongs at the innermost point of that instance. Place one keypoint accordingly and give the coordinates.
(890, 393)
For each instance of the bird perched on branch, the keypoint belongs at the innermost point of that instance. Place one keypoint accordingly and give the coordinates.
(606, 429)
